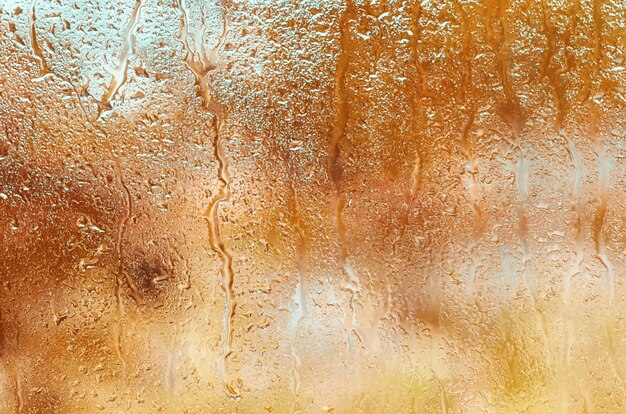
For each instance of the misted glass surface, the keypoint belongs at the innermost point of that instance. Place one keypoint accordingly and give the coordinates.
(286, 206)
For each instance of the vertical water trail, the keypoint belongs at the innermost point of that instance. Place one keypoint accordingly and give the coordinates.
(599, 238)
(559, 94)
(198, 61)
(579, 251)
(416, 109)
(335, 170)
(604, 169)
(169, 375)
(554, 74)
(201, 65)
(299, 297)
(473, 186)
(117, 327)
(19, 392)
(522, 180)
(444, 395)
(513, 114)
(44, 69)
(578, 174)
(473, 190)
(119, 74)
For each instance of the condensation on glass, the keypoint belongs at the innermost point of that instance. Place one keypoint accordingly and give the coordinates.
(356, 206)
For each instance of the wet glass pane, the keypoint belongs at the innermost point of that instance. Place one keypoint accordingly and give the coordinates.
(320, 206)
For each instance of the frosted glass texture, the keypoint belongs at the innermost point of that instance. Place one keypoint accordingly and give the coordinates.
(312, 206)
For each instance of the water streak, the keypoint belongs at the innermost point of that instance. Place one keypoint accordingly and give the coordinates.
(299, 298)
(337, 133)
(119, 74)
(120, 276)
(604, 169)
(513, 114)
(472, 185)
(44, 69)
(473, 190)
(599, 237)
(201, 64)
(19, 392)
(416, 121)
(554, 73)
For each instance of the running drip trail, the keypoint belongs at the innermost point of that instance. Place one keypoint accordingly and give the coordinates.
(202, 63)
(299, 298)
(513, 114)
(120, 74)
(416, 96)
(337, 133)
(472, 185)
(553, 72)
